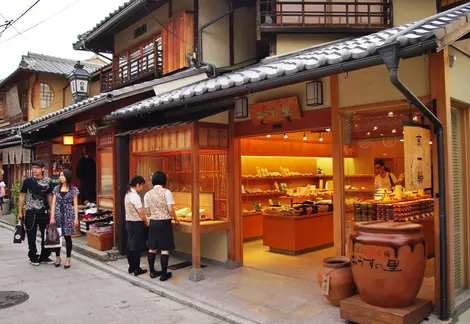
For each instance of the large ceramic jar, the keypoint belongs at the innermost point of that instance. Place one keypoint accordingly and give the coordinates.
(341, 283)
(388, 262)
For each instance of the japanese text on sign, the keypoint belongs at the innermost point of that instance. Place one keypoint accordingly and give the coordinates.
(275, 111)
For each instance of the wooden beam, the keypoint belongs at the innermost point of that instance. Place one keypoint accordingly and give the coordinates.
(235, 243)
(196, 271)
(439, 84)
(454, 35)
(122, 159)
(383, 105)
(338, 167)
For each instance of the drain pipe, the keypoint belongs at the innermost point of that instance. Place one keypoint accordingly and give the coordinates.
(389, 54)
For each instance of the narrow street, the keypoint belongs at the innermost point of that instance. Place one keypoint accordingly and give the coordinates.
(81, 294)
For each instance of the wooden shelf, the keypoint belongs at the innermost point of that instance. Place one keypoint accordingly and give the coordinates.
(252, 214)
(263, 194)
(287, 177)
(306, 197)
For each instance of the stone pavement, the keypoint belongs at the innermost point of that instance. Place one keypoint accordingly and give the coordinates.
(243, 295)
(81, 294)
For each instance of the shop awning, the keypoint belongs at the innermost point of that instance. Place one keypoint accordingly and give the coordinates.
(16, 155)
(421, 37)
(107, 97)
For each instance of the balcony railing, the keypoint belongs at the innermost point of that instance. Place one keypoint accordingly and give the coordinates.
(130, 71)
(294, 15)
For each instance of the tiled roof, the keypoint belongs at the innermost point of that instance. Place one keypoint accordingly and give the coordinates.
(10, 139)
(106, 19)
(50, 64)
(108, 97)
(308, 60)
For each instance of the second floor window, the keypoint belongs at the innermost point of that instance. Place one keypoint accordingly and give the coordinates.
(46, 96)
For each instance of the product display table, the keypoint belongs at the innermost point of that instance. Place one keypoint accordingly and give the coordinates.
(295, 235)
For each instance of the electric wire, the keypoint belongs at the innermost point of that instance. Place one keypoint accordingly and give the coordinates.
(24, 13)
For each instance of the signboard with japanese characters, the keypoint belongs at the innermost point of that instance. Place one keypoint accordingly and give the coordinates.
(417, 140)
(275, 111)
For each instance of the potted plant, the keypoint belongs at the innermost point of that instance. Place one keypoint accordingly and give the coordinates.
(15, 194)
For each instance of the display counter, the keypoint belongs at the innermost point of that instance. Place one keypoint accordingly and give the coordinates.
(295, 235)
(252, 226)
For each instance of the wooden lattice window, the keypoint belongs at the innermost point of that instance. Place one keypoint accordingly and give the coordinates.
(46, 96)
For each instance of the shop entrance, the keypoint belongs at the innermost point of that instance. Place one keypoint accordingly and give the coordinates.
(287, 201)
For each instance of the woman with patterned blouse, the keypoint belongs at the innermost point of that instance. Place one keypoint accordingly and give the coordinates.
(64, 212)
(135, 225)
(159, 204)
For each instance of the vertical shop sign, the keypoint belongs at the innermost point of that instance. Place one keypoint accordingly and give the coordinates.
(275, 111)
(417, 156)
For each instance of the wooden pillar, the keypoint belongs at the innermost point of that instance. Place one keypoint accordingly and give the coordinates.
(338, 167)
(439, 84)
(121, 144)
(235, 244)
(196, 271)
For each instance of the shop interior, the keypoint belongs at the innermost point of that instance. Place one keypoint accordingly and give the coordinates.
(287, 192)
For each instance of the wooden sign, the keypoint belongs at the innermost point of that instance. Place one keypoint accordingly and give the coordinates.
(417, 156)
(275, 111)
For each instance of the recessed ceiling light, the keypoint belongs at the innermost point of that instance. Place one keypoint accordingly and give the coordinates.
(394, 131)
(415, 118)
(285, 136)
(375, 128)
(390, 114)
(268, 136)
(381, 134)
(402, 140)
(368, 133)
(328, 130)
(430, 142)
(305, 137)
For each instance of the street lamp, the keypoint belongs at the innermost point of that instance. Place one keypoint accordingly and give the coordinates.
(79, 79)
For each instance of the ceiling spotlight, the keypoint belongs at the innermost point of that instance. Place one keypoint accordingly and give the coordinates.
(268, 136)
(375, 128)
(368, 133)
(328, 130)
(356, 125)
(305, 137)
(320, 138)
(381, 134)
(285, 136)
(430, 142)
(390, 114)
(394, 131)
(415, 118)
(402, 140)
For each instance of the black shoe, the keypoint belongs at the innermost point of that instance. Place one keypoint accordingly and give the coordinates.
(130, 270)
(57, 264)
(46, 260)
(139, 271)
(155, 274)
(166, 276)
(34, 261)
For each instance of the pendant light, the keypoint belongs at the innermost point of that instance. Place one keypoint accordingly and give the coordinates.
(305, 137)
(285, 136)
(268, 136)
(320, 138)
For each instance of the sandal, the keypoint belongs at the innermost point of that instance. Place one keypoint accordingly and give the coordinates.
(66, 266)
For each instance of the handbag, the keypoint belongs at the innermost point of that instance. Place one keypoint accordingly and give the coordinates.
(20, 233)
(53, 237)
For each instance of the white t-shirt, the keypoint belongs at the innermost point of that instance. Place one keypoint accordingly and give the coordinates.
(2, 185)
(385, 181)
(168, 196)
